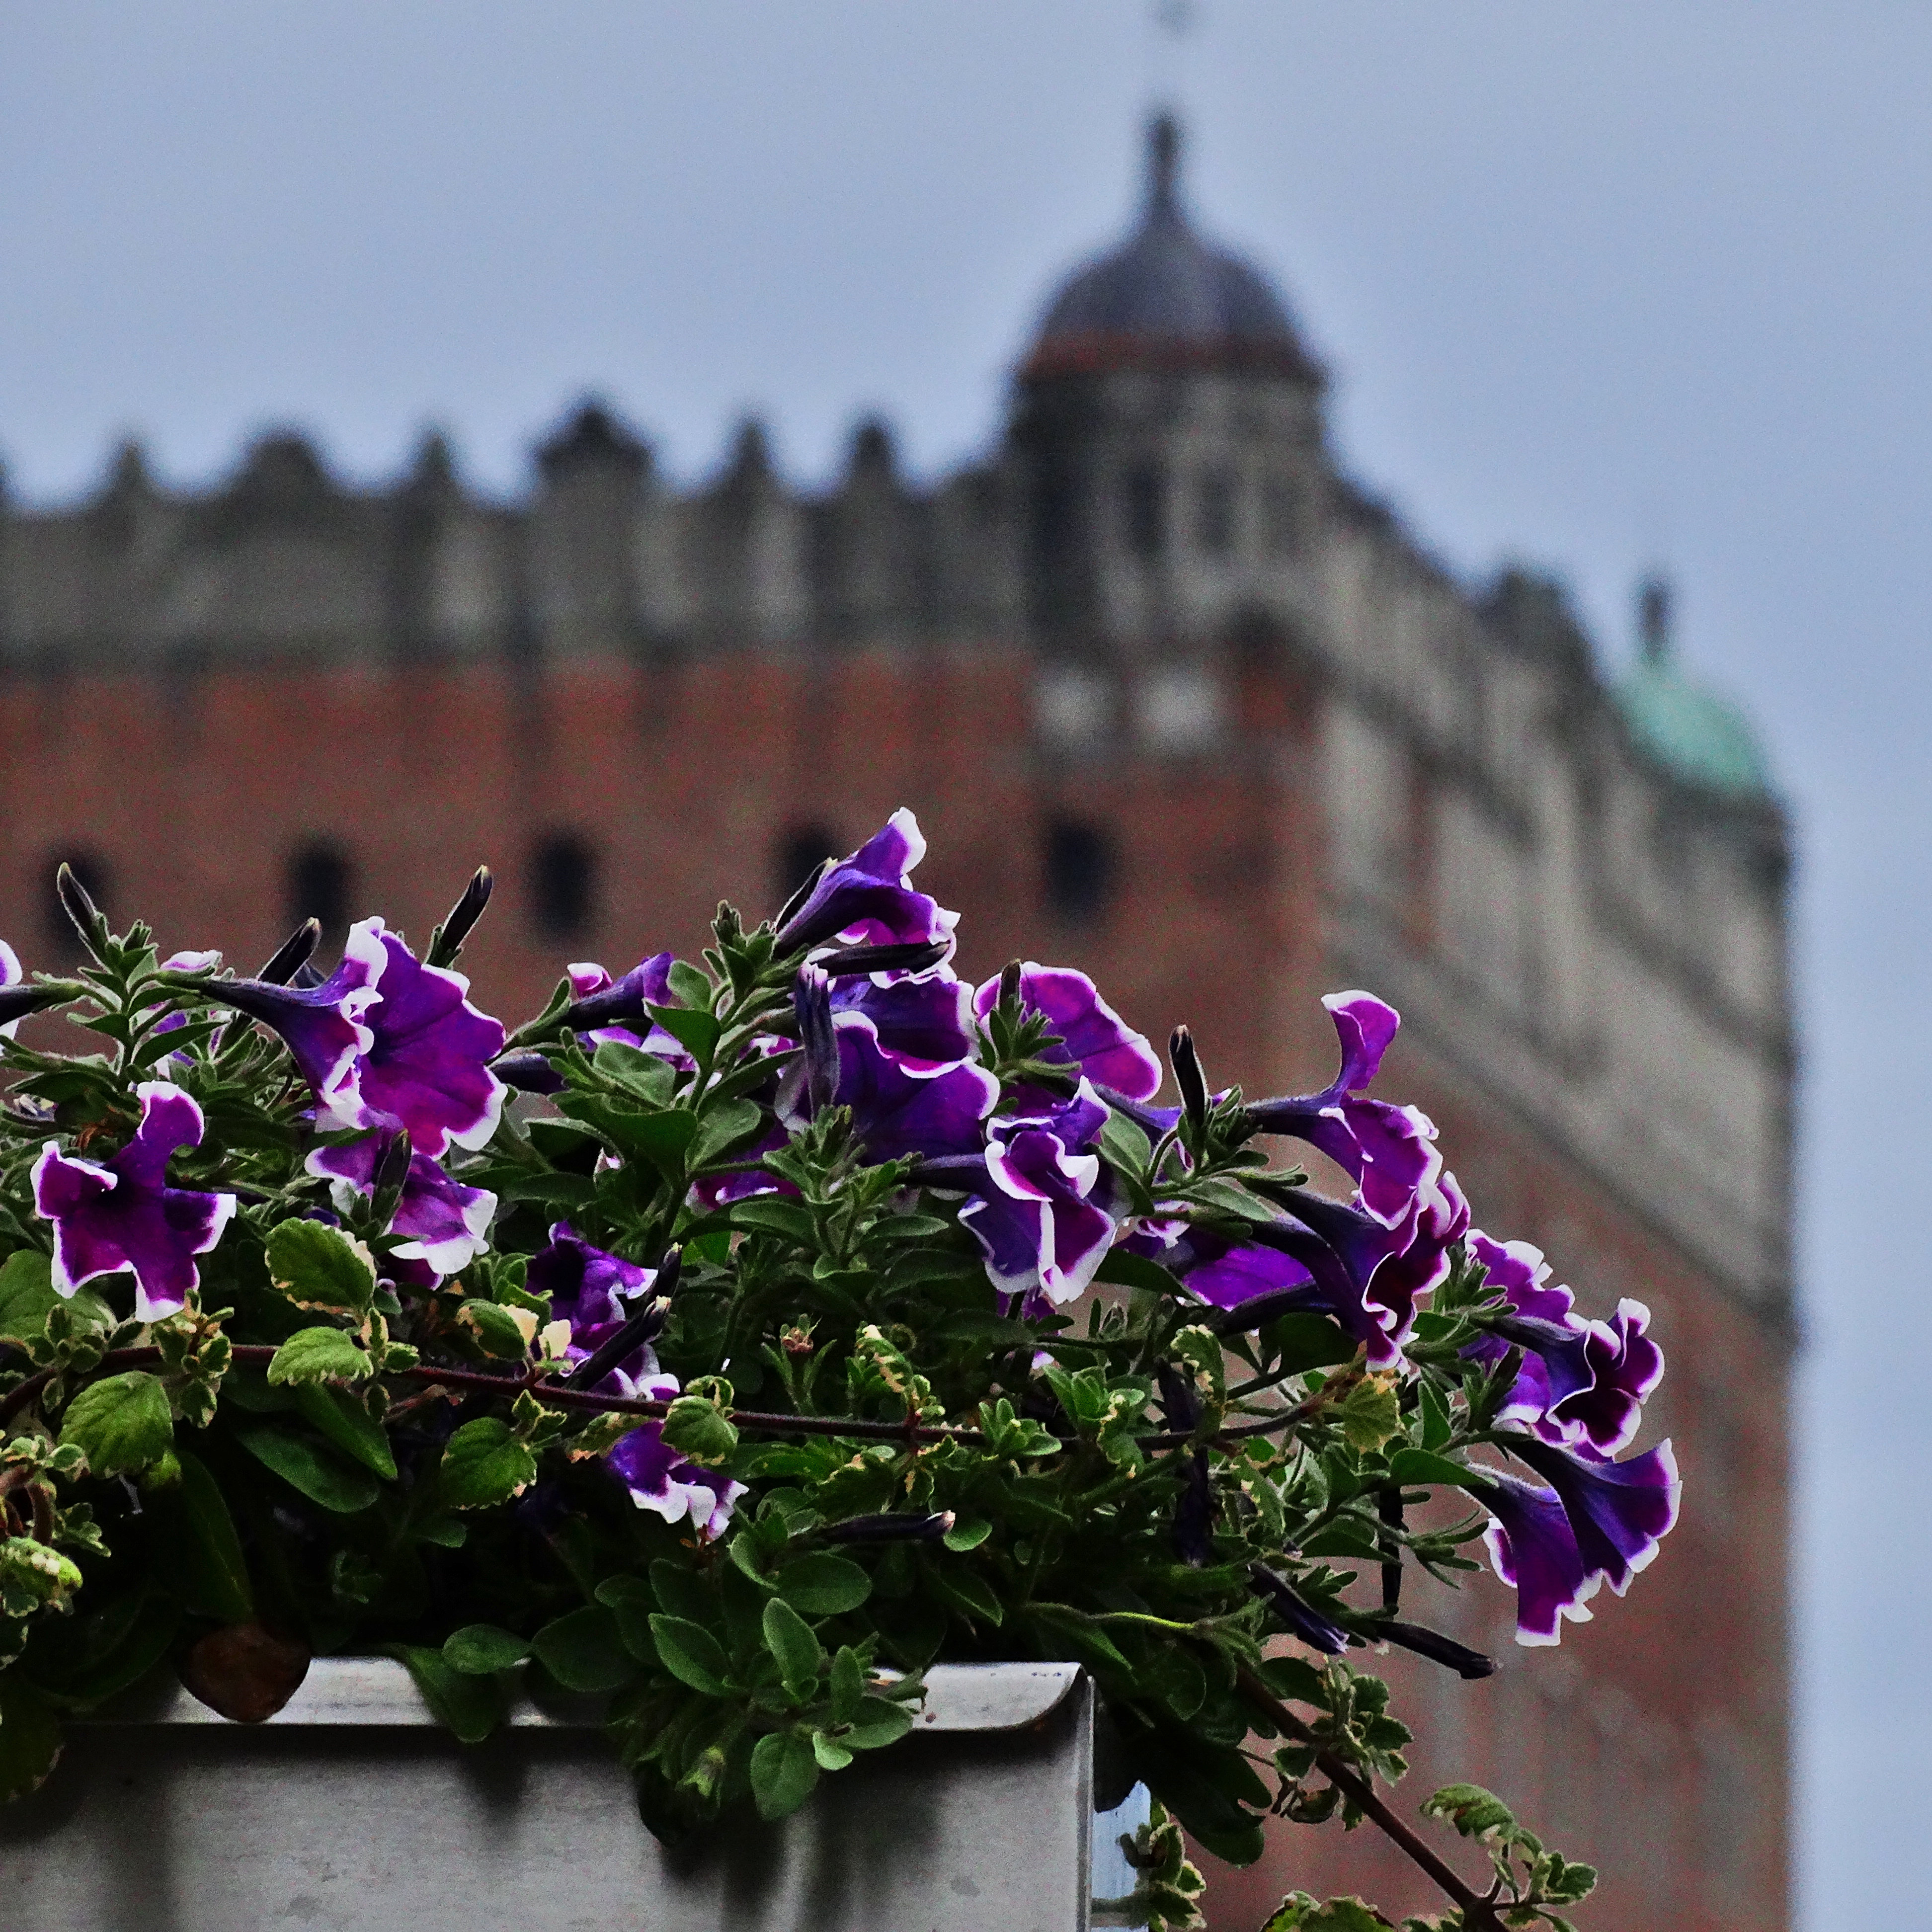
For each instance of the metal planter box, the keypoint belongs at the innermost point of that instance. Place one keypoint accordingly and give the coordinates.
(351, 1811)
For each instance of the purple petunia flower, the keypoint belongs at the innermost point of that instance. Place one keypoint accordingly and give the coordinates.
(1039, 1223)
(1388, 1151)
(658, 1478)
(324, 1027)
(1093, 1036)
(868, 899)
(1532, 1547)
(1619, 1512)
(900, 1107)
(588, 1288)
(922, 1020)
(123, 1214)
(447, 1224)
(1581, 1383)
(1590, 1521)
(601, 1006)
(427, 1066)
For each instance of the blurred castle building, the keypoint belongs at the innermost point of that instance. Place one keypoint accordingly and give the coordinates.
(1172, 696)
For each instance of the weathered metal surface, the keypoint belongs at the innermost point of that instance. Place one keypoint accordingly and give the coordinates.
(351, 1812)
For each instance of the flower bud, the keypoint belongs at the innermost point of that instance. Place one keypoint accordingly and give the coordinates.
(88, 920)
(292, 955)
(811, 1001)
(892, 1528)
(1192, 1081)
(446, 941)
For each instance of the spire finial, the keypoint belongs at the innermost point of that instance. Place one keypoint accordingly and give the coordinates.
(1163, 162)
(1653, 618)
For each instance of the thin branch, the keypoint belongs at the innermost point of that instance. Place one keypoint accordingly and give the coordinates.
(1479, 1912)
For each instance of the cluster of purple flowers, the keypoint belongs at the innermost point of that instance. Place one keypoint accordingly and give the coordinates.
(883, 1027)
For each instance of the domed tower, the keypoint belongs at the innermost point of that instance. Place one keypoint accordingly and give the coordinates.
(1167, 427)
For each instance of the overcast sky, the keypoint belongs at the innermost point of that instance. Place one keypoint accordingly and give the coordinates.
(1601, 286)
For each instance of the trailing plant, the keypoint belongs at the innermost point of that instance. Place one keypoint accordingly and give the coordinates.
(739, 1337)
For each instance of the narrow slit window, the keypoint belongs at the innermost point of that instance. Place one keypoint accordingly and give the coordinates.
(1079, 868)
(318, 881)
(563, 886)
(800, 852)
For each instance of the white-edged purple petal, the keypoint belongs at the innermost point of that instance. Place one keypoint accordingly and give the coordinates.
(658, 1478)
(1619, 1512)
(897, 1111)
(1532, 1546)
(589, 1288)
(602, 1007)
(121, 1213)
(1039, 1223)
(324, 1027)
(426, 1067)
(924, 1020)
(446, 1225)
(1092, 1035)
(868, 899)
(1387, 1149)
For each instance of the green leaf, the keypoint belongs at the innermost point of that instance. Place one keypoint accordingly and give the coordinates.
(200, 1552)
(1123, 1269)
(1475, 1813)
(1436, 1427)
(879, 1721)
(831, 1756)
(1125, 1143)
(337, 1414)
(960, 1589)
(484, 1463)
(584, 1651)
(1370, 1412)
(663, 1139)
(694, 1029)
(316, 1266)
(690, 985)
(785, 1772)
(1419, 1468)
(318, 1355)
(30, 1737)
(681, 1593)
(968, 1532)
(308, 1467)
(121, 1423)
(789, 1638)
(27, 1296)
(700, 1430)
(472, 1707)
(479, 1650)
(772, 1214)
(822, 1585)
(848, 1684)
(691, 1654)
(1300, 1342)
(497, 1328)
(724, 1124)
(638, 1073)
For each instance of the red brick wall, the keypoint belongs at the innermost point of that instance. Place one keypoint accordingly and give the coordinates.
(684, 779)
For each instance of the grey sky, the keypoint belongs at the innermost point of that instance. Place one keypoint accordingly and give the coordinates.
(1600, 286)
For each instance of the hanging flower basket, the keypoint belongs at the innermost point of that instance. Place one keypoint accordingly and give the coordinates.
(745, 1344)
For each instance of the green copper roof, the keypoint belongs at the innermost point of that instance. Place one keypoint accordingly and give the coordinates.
(1688, 729)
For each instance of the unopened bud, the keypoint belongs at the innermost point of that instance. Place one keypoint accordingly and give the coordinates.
(446, 941)
(1192, 1081)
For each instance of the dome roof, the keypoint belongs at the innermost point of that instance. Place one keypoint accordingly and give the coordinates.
(1165, 298)
(1689, 730)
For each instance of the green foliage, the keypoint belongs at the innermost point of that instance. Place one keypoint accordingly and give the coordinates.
(320, 1355)
(319, 1444)
(316, 1266)
(122, 1424)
